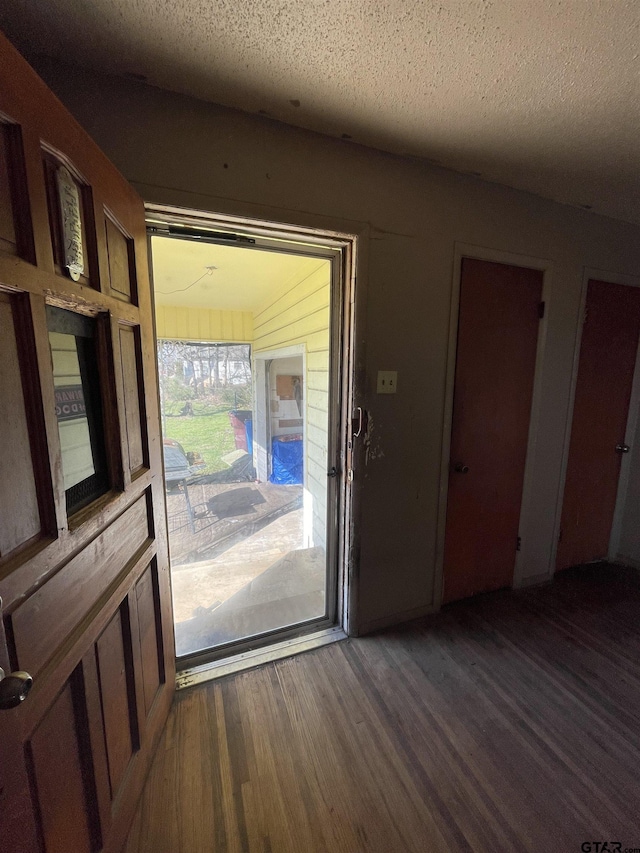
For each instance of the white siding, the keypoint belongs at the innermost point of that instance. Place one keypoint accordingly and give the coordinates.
(298, 314)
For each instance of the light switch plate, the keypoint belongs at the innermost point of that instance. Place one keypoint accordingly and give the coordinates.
(387, 381)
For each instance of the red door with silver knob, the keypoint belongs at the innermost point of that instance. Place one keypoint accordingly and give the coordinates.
(497, 340)
(608, 352)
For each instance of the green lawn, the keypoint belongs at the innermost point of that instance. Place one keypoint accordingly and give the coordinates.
(211, 435)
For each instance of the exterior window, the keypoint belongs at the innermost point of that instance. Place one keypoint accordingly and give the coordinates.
(72, 338)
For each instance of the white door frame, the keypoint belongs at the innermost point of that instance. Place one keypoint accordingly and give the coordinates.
(589, 273)
(485, 253)
(261, 397)
(262, 431)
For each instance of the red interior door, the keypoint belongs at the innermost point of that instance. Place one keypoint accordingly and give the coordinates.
(85, 606)
(497, 340)
(603, 391)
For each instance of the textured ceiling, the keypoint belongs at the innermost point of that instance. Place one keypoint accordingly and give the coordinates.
(543, 95)
(243, 279)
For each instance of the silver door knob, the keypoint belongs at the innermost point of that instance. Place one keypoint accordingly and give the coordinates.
(461, 469)
(622, 448)
(14, 688)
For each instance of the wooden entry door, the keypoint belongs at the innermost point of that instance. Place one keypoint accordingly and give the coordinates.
(497, 340)
(83, 559)
(608, 353)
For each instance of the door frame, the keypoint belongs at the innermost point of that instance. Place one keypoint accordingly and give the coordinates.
(260, 390)
(588, 274)
(344, 251)
(486, 253)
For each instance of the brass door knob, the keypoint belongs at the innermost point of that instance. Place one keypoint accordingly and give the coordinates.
(14, 688)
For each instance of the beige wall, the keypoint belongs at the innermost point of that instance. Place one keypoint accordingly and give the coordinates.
(185, 152)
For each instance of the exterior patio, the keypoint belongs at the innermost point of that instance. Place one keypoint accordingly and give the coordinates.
(239, 567)
(206, 519)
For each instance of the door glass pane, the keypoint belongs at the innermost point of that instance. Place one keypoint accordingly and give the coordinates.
(243, 361)
(20, 516)
(78, 406)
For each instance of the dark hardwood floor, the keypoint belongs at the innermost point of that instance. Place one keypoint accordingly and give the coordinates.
(507, 722)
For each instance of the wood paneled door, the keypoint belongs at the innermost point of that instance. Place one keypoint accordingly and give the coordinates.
(608, 352)
(497, 341)
(84, 581)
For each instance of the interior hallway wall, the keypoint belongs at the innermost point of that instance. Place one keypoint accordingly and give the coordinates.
(412, 214)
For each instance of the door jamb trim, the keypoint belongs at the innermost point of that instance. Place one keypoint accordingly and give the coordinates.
(290, 351)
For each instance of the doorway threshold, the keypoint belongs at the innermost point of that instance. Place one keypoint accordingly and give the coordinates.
(256, 657)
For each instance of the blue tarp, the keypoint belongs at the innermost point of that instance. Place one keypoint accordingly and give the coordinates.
(287, 461)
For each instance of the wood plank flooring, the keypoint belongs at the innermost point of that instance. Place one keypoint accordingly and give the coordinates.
(510, 722)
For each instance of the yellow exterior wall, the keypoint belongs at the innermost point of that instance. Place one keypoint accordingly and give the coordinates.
(299, 314)
(204, 324)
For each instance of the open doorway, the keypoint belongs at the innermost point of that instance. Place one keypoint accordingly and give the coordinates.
(249, 345)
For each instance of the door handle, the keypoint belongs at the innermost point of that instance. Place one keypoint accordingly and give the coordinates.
(362, 423)
(359, 431)
(622, 448)
(461, 469)
(14, 688)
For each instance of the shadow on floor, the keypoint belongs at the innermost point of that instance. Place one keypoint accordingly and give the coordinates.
(235, 502)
